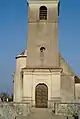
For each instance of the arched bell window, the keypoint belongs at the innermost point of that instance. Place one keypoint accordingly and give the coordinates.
(43, 13)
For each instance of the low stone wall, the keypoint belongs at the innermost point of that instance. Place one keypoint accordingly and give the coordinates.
(11, 110)
(68, 108)
(19, 110)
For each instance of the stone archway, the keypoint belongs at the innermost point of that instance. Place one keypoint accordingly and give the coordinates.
(41, 96)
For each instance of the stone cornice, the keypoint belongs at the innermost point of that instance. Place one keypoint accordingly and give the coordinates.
(43, 2)
(20, 56)
(42, 71)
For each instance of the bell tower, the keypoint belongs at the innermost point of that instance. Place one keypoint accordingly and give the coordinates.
(42, 42)
(42, 75)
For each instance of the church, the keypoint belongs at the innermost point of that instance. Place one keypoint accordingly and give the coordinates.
(42, 76)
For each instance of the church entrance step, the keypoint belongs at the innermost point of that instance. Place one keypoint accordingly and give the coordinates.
(43, 113)
(53, 117)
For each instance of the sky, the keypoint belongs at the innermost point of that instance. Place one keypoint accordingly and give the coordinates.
(13, 36)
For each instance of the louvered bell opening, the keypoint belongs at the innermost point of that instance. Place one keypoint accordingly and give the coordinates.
(43, 13)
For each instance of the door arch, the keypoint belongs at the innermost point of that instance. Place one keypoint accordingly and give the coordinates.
(41, 96)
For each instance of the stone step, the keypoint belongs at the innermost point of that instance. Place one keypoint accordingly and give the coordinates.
(42, 113)
(54, 117)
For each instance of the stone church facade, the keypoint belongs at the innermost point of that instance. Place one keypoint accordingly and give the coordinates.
(42, 75)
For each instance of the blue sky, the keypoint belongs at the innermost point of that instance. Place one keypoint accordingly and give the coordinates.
(13, 35)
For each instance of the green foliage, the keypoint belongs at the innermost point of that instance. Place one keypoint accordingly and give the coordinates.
(5, 96)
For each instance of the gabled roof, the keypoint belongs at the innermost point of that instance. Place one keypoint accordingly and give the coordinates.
(66, 63)
(77, 78)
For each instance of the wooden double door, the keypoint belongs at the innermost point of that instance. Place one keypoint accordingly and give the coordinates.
(41, 96)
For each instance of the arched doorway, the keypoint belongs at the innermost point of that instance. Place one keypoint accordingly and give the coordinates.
(41, 95)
